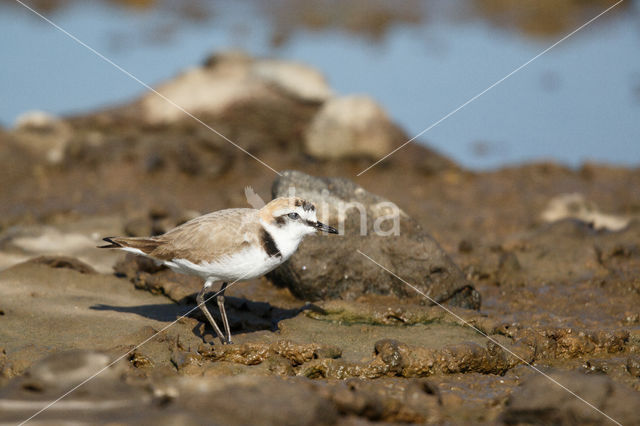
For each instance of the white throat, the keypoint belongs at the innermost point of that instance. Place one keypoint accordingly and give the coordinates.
(287, 238)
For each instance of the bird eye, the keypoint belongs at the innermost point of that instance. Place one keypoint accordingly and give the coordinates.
(294, 216)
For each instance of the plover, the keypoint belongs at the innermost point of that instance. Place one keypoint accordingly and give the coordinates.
(230, 245)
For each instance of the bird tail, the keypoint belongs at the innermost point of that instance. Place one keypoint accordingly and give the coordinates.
(146, 245)
(112, 244)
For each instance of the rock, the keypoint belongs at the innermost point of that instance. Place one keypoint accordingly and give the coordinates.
(297, 80)
(198, 90)
(44, 135)
(330, 267)
(209, 89)
(351, 126)
(576, 206)
(228, 79)
(540, 401)
(36, 120)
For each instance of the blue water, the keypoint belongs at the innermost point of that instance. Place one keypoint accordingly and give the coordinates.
(579, 102)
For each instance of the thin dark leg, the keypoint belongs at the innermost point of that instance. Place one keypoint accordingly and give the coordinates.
(223, 312)
(203, 307)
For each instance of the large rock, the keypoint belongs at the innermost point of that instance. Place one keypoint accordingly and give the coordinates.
(351, 126)
(331, 267)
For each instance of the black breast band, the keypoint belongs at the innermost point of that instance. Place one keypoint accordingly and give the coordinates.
(268, 244)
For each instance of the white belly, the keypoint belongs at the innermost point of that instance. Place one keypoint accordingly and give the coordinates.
(245, 265)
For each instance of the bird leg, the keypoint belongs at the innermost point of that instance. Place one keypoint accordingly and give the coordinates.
(203, 307)
(223, 312)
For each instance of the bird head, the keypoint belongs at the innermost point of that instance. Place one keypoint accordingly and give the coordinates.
(293, 216)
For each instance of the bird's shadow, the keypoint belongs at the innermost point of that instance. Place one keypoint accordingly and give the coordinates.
(159, 312)
(244, 315)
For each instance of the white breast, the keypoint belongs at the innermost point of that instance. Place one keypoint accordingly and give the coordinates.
(247, 264)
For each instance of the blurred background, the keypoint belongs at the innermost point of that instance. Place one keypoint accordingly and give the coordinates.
(420, 59)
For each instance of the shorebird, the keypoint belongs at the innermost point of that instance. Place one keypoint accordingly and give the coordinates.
(229, 245)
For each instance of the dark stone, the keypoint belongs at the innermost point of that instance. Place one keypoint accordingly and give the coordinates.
(335, 267)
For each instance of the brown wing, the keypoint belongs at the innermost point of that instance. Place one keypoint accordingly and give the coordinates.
(205, 238)
(209, 237)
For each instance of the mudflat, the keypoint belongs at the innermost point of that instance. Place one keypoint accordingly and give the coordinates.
(553, 254)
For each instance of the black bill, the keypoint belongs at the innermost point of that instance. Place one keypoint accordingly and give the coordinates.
(325, 228)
